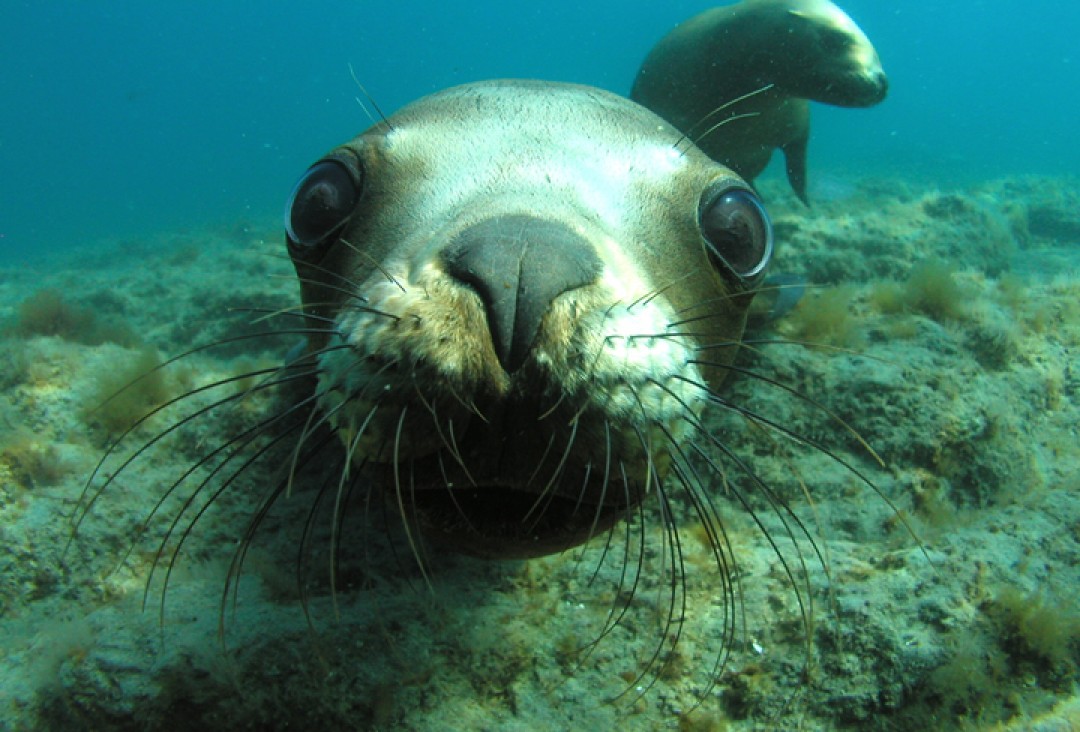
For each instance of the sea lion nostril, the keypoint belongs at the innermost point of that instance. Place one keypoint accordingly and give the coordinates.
(518, 264)
(882, 82)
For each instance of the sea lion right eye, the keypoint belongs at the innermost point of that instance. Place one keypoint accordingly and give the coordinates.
(834, 40)
(321, 202)
(737, 233)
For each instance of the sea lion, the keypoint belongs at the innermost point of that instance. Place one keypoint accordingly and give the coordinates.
(520, 297)
(526, 293)
(519, 300)
(781, 53)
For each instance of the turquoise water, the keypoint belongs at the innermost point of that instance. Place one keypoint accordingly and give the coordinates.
(930, 318)
(126, 117)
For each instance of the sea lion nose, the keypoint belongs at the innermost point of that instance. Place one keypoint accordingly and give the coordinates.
(518, 264)
(881, 81)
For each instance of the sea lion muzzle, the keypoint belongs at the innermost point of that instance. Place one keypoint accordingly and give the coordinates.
(519, 264)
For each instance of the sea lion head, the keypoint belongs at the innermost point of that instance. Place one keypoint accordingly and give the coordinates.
(525, 294)
(831, 59)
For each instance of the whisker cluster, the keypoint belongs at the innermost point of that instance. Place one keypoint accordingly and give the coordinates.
(673, 473)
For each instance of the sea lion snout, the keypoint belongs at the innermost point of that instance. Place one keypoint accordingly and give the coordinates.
(518, 264)
(854, 78)
(835, 62)
(880, 82)
(862, 86)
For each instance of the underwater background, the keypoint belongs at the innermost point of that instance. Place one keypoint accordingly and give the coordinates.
(146, 153)
(123, 117)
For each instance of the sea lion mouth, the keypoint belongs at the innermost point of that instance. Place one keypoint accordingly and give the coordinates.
(518, 484)
(861, 88)
(508, 522)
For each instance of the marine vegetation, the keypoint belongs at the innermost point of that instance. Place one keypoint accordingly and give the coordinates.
(123, 395)
(874, 636)
(826, 317)
(29, 459)
(931, 289)
(48, 313)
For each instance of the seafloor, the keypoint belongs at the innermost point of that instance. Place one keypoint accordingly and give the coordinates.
(942, 326)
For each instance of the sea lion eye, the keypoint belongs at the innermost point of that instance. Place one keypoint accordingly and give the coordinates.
(321, 202)
(834, 40)
(737, 233)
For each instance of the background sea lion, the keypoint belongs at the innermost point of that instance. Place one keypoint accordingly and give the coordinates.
(526, 294)
(800, 49)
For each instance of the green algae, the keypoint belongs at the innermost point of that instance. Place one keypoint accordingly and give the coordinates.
(931, 289)
(48, 313)
(123, 395)
(826, 317)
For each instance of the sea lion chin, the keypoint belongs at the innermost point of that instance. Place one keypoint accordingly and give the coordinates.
(737, 79)
(525, 294)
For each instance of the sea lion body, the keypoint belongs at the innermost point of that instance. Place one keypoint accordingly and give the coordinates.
(799, 49)
(506, 281)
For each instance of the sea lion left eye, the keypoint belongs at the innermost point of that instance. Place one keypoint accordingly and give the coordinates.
(322, 201)
(737, 233)
(834, 41)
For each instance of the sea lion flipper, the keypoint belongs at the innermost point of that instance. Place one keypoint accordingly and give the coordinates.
(795, 157)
